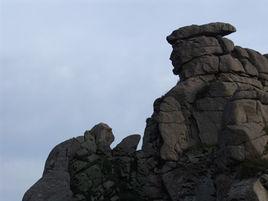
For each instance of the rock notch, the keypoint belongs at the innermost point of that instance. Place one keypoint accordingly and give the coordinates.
(207, 139)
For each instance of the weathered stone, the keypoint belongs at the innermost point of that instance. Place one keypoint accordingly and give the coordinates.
(189, 70)
(55, 182)
(230, 64)
(188, 90)
(212, 29)
(173, 181)
(89, 142)
(239, 134)
(243, 111)
(230, 77)
(211, 104)
(264, 111)
(258, 60)
(174, 140)
(170, 117)
(264, 181)
(186, 50)
(103, 137)
(169, 104)
(237, 152)
(222, 89)
(263, 76)
(226, 44)
(151, 142)
(205, 190)
(249, 68)
(259, 144)
(199, 66)
(247, 190)
(207, 139)
(240, 52)
(208, 126)
(127, 146)
(55, 185)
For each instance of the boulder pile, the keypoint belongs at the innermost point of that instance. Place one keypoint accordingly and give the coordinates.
(207, 139)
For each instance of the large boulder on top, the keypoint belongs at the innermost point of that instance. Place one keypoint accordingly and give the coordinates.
(212, 29)
(207, 139)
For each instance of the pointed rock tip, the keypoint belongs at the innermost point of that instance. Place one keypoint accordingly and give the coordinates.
(211, 29)
(128, 145)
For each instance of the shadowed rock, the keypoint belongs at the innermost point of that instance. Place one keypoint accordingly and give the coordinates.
(55, 182)
(127, 146)
(207, 139)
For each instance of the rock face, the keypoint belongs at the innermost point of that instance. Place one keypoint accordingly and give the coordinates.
(207, 139)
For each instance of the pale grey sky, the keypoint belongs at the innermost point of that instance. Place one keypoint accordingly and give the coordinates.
(69, 64)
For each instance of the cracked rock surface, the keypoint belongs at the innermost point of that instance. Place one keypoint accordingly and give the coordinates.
(207, 139)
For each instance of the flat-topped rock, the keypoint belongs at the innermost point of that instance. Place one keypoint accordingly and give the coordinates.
(211, 29)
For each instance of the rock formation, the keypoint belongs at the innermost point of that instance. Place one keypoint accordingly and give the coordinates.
(207, 139)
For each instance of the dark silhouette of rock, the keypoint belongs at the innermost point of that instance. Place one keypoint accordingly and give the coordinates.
(55, 182)
(207, 139)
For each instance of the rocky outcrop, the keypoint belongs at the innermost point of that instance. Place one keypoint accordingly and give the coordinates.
(207, 139)
(55, 182)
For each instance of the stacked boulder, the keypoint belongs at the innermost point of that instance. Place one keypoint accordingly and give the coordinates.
(207, 139)
(213, 123)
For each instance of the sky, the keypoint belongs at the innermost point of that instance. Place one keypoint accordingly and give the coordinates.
(66, 65)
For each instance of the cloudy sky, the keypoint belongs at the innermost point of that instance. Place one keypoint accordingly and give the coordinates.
(66, 65)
